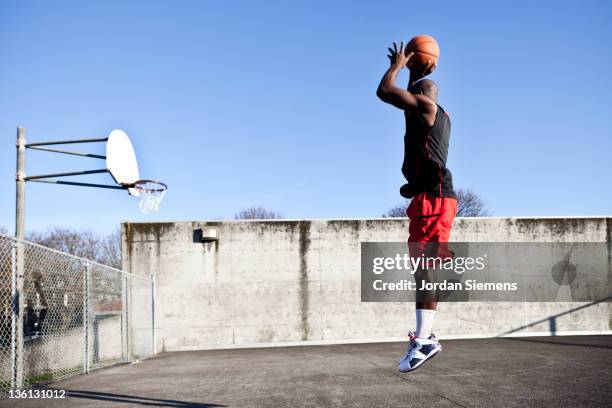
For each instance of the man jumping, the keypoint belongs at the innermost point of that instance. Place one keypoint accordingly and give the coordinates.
(430, 185)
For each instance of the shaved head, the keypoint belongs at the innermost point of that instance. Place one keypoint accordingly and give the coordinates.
(426, 87)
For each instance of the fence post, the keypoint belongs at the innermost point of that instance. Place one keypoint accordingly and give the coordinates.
(86, 308)
(123, 318)
(128, 329)
(153, 310)
(15, 315)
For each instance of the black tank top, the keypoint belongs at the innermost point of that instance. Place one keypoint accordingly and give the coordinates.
(425, 153)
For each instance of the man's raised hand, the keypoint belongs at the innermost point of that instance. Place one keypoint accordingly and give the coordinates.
(398, 57)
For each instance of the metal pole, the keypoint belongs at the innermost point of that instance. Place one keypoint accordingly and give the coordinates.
(70, 173)
(86, 319)
(56, 142)
(76, 183)
(46, 149)
(123, 319)
(15, 317)
(128, 320)
(153, 311)
(20, 180)
(19, 259)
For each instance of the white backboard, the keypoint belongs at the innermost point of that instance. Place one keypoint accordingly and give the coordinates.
(121, 159)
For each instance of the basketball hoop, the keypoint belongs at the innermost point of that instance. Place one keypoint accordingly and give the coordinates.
(151, 194)
(121, 163)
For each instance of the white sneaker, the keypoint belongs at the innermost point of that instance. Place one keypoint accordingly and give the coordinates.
(419, 351)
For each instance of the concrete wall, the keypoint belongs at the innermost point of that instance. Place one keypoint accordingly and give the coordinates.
(298, 282)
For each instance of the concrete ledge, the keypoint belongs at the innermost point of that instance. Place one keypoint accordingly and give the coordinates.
(297, 282)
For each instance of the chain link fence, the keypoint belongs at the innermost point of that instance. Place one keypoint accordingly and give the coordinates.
(63, 315)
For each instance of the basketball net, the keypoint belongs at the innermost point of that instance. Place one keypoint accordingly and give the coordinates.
(151, 194)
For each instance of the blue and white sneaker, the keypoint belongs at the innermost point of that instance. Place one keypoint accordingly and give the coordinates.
(419, 351)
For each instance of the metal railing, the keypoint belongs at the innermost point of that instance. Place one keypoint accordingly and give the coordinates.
(72, 315)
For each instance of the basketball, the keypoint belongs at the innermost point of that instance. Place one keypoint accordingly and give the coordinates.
(425, 49)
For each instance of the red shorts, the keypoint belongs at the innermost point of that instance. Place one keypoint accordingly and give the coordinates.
(431, 219)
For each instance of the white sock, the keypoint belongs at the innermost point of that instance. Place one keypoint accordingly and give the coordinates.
(424, 319)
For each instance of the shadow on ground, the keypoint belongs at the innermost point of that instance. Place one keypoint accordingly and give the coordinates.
(135, 400)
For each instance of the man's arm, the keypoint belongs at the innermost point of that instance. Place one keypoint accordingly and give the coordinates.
(392, 94)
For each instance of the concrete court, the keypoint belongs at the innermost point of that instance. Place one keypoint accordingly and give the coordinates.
(564, 371)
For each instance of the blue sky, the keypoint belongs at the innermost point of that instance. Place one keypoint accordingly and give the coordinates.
(273, 103)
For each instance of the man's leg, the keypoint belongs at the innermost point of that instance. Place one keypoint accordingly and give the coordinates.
(423, 344)
(425, 305)
(423, 213)
(430, 222)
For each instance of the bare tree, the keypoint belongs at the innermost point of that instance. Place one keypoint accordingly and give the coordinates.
(399, 211)
(3, 230)
(257, 213)
(109, 252)
(86, 244)
(469, 204)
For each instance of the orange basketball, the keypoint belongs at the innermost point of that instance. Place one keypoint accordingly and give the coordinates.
(425, 49)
